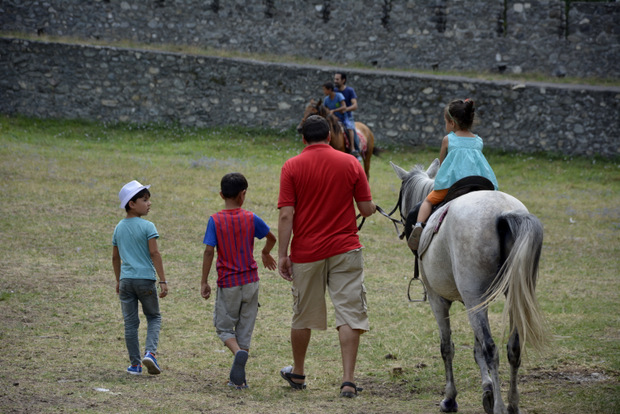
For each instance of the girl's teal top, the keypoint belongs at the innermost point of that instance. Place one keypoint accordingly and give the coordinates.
(464, 159)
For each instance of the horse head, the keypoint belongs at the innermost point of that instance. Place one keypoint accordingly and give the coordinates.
(313, 108)
(416, 183)
(337, 133)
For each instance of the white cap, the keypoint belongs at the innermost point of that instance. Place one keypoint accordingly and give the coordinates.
(129, 190)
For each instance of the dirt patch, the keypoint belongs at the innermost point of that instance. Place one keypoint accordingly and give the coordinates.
(573, 375)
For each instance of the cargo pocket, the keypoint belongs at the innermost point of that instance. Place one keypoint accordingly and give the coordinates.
(364, 303)
(295, 293)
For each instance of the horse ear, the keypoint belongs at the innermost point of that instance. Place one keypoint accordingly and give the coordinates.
(401, 173)
(433, 168)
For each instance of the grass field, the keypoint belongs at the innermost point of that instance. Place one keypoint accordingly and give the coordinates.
(61, 335)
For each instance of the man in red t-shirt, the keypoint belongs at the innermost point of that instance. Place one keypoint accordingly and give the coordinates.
(317, 192)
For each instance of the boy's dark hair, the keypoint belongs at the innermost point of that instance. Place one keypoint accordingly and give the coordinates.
(138, 195)
(343, 76)
(461, 112)
(315, 129)
(329, 86)
(232, 184)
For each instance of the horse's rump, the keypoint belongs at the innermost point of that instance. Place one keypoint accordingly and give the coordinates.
(470, 235)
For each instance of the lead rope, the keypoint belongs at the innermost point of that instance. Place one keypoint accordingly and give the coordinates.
(416, 271)
(389, 216)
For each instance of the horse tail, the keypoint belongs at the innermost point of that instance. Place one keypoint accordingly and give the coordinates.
(521, 236)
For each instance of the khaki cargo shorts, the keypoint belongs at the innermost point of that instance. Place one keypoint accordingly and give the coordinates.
(343, 276)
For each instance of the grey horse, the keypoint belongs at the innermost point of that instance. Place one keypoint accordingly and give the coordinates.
(473, 249)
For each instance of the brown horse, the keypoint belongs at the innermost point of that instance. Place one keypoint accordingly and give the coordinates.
(339, 140)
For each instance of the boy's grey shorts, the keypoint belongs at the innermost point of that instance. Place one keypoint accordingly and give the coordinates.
(235, 313)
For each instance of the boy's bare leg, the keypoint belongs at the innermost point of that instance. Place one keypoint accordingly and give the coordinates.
(352, 140)
(233, 345)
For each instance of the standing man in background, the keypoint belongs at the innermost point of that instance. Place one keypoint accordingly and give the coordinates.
(350, 98)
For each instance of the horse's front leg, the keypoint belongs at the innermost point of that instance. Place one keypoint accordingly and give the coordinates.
(441, 310)
(514, 358)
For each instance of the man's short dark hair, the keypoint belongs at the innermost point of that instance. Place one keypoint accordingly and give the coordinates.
(329, 86)
(232, 184)
(343, 76)
(315, 129)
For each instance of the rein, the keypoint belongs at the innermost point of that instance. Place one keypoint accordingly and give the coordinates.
(389, 216)
(416, 273)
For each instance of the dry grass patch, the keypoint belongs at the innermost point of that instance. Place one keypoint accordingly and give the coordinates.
(61, 342)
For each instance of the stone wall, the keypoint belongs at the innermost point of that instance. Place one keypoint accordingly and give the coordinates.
(45, 79)
(488, 35)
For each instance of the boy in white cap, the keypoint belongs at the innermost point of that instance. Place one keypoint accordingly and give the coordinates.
(136, 259)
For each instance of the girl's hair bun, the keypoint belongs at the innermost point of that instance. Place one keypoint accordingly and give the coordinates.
(469, 103)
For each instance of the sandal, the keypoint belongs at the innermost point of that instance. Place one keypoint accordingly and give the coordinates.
(414, 239)
(349, 394)
(287, 374)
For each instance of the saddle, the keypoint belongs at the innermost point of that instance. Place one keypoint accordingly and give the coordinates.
(461, 187)
(362, 138)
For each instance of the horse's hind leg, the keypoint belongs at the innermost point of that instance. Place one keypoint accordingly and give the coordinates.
(514, 357)
(487, 384)
(488, 352)
(441, 309)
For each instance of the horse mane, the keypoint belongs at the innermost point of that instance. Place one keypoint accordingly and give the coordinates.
(332, 119)
(417, 185)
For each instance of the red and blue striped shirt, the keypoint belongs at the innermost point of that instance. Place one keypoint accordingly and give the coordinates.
(232, 232)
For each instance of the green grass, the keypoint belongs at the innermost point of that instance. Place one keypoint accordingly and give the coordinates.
(62, 330)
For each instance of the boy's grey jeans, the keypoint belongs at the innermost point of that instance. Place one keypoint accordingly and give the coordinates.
(132, 291)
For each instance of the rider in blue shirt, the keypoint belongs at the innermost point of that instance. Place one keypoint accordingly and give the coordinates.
(350, 97)
(336, 103)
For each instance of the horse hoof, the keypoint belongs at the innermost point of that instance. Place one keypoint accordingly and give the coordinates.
(488, 401)
(449, 406)
(513, 410)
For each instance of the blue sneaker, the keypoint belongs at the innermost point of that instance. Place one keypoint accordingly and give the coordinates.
(357, 155)
(150, 362)
(135, 369)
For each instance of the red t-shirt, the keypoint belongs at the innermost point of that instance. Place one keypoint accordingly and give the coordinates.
(321, 184)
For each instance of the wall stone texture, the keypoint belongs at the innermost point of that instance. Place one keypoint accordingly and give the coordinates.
(509, 36)
(45, 79)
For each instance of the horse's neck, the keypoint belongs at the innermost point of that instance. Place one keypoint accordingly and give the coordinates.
(336, 132)
(415, 191)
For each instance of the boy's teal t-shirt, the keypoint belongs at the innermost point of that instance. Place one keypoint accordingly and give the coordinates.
(132, 236)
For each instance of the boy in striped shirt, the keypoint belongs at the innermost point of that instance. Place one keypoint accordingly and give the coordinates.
(233, 231)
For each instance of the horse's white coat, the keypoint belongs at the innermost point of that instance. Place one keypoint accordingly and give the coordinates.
(462, 261)
(455, 261)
